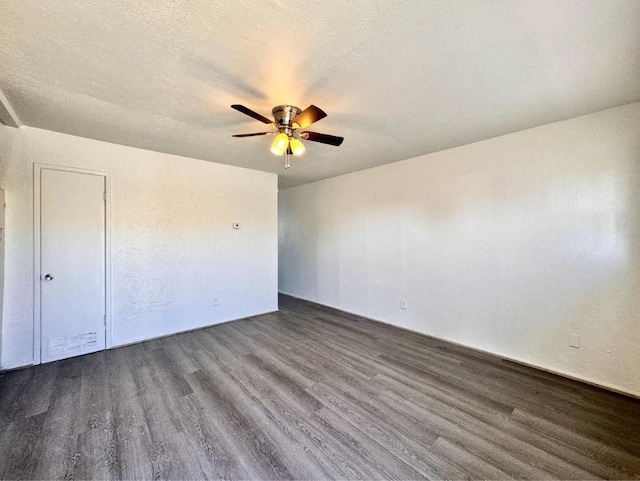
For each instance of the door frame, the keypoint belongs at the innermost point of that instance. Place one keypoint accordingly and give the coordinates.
(37, 308)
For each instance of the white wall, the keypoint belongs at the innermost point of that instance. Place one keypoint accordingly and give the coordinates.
(507, 245)
(173, 246)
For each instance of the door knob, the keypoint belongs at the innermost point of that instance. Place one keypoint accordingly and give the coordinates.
(49, 277)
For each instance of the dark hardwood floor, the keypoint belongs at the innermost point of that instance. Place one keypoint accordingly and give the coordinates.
(309, 393)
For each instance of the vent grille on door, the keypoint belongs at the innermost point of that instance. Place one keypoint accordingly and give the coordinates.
(70, 345)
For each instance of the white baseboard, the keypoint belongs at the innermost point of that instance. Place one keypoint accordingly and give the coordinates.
(551, 370)
(13, 367)
(138, 341)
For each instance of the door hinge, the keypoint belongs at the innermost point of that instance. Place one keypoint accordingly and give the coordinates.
(104, 196)
(105, 320)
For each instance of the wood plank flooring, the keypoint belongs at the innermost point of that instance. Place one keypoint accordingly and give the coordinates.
(308, 393)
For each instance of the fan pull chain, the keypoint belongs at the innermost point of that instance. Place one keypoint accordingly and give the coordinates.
(287, 160)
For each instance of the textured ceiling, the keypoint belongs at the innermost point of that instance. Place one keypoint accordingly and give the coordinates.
(397, 78)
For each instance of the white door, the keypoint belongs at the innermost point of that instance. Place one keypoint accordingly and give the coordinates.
(72, 263)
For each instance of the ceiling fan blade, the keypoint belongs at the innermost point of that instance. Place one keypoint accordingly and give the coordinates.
(251, 135)
(322, 138)
(309, 116)
(251, 113)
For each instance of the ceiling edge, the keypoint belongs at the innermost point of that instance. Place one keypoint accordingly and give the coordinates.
(8, 116)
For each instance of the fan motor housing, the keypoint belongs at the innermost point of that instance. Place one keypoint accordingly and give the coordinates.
(284, 115)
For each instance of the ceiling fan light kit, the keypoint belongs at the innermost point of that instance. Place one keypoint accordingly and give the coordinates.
(289, 122)
(280, 144)
(297, 146)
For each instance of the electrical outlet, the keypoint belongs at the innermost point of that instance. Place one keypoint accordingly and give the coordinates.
(403, 304)
(574, 341)
(215, 301)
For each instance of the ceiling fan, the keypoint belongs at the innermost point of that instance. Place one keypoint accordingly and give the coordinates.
(289, 123)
